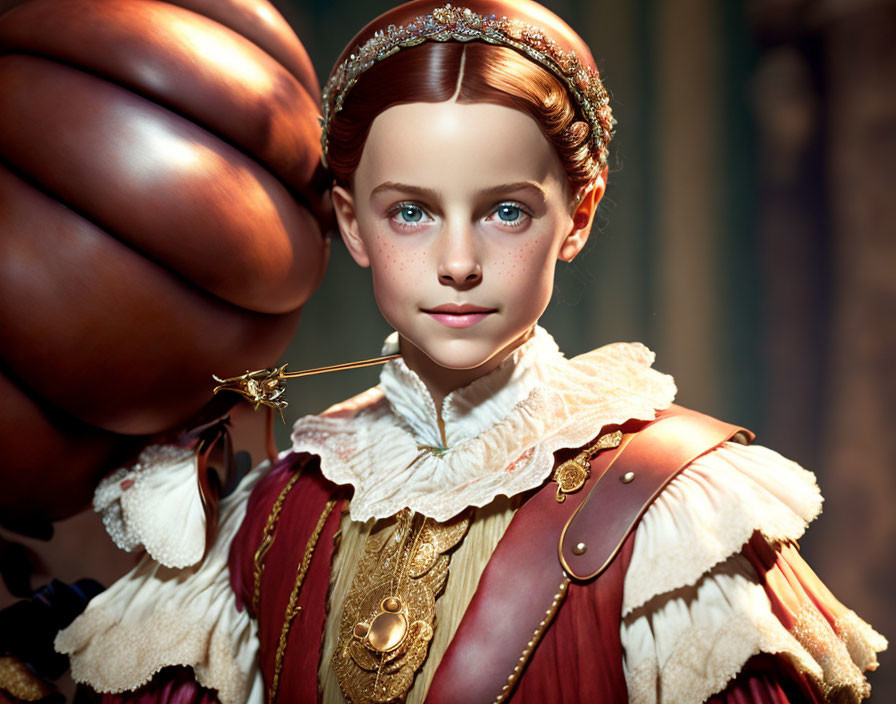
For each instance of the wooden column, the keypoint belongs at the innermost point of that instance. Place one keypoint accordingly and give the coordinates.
(688, 191)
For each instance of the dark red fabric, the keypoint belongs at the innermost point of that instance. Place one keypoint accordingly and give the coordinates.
(248, 538)
(765, 679)
(301, 511)
(173, 685)
(769, 679)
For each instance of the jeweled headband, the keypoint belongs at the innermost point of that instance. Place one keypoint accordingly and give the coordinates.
(448, 23)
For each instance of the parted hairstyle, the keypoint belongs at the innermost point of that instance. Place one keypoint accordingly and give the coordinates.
(488, 74)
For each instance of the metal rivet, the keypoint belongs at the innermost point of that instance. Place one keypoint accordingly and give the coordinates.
(627, 477)
(579, 549)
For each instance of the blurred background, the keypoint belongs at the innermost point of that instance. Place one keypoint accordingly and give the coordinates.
(748, 236)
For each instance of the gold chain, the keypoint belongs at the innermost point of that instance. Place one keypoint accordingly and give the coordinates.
(292, 608)
(267, 539)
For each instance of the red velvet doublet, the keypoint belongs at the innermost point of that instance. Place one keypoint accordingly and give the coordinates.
(505, 614)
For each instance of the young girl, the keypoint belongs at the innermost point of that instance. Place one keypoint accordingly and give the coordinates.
(492, 522)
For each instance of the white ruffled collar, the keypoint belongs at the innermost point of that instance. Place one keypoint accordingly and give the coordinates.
(500, 431)
(474, 408)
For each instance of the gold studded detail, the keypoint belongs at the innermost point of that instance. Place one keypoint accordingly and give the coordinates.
(579, 549)
(530, 646)
(627, 478)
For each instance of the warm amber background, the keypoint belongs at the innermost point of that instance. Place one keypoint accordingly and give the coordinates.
(747, 236)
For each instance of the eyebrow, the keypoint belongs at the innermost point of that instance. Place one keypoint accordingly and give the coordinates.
(430, 193)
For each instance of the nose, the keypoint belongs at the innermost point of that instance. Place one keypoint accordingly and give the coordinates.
(459, 264)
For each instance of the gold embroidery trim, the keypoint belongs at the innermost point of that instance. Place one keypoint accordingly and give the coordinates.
(292, 607)
(267, 539)
(388, 616)
(572, 474)
(559, 597)
(19, 681)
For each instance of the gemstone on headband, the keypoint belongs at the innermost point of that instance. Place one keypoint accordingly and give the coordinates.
(448, 23)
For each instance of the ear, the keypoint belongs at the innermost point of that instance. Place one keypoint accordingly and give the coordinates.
(347, 219)
(582, 218)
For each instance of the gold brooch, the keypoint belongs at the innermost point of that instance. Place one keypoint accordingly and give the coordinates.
(572, 474)
(388, 617)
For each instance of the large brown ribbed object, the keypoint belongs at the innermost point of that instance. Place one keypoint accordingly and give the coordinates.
(157, 224)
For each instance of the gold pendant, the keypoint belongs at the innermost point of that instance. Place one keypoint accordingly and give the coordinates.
(388, 616)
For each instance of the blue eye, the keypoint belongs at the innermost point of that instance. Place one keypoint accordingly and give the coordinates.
(410, 213)
(509, 213)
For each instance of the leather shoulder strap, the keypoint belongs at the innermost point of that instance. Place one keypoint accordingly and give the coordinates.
(630, 478)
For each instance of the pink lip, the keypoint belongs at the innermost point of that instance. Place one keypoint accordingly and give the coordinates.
(455, 315)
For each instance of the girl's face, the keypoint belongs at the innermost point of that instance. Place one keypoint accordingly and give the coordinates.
(461, 211)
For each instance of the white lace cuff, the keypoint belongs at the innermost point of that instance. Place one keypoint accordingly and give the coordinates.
(156, 617)
(685, 646)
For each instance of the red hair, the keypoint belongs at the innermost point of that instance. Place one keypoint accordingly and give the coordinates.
(430, 73)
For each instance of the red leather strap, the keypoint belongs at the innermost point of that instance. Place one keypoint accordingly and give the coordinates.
(516, 588)
(523, 577)
(651, 458)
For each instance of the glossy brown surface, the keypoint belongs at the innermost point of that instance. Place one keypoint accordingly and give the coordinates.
(160, 183)
(50, 461)
(157, 224)
(151, 49)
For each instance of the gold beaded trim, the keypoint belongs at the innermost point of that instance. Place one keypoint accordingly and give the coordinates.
(559, 597)
(267, 539)
(20, 682)
(292, 608)
(447, 23)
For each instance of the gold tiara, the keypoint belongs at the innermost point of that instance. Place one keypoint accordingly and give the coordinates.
(462, 24)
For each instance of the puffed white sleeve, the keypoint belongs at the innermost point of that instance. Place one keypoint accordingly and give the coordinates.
(176, 607)
(716, 578)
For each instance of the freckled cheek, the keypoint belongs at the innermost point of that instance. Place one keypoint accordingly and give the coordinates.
(537, 269)
(524, 261)
(392, 263)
